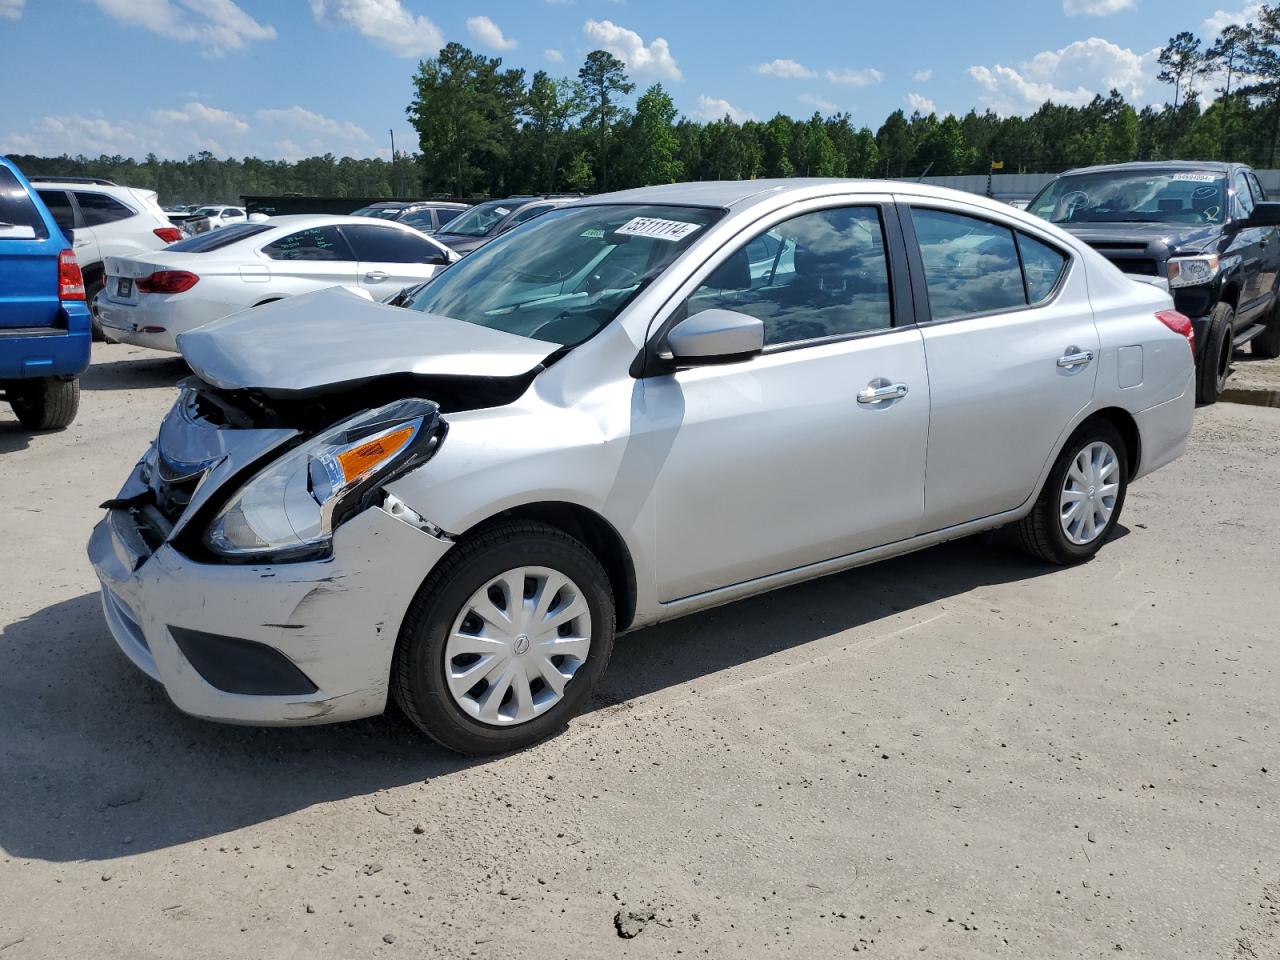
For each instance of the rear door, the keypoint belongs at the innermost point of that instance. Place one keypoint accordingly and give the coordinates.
(391, 258)
(28, 260)
(1012, 355)
(307, 260)
(85, 242)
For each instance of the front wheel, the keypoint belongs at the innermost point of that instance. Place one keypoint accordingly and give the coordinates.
(1215, 360)
(1082, 497)
(505, 639)
(47, 404)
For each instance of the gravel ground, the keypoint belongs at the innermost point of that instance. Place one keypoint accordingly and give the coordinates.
(959, 752)
(1254, 375)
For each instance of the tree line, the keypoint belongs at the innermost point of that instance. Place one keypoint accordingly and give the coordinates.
(484, 130)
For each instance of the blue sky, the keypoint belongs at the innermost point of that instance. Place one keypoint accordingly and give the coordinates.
(292, 78)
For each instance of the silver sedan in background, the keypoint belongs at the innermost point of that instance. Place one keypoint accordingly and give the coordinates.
(629, 409)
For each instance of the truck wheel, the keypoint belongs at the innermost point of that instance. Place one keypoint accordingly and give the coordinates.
(1266, 345)
(48, 404)
(505, 639)
(1215, 358)
(1082, 498)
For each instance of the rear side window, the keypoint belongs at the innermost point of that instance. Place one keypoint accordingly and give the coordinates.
(970, 265)
(445, 214)
(19, 218)
(1042, 264)
(217, 239)
(97, 209)
(419, 220)
(59, 204)
(374, 244)
(314, 243)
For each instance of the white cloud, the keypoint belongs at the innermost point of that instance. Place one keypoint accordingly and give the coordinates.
(855, 78)
(217, 26)
(629, 47)
(714, 108)
(553, 55)
(1071, 76)
(813, 100)
(1221, 19)
(1096, 8)
(489, 33)
(385, 22)
(922, 76)
(320, 128)
(920, 104)
(198, 113)
(11, 9)
(785, 69)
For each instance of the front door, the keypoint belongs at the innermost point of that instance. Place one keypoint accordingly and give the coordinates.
(391, 258)
(790, 458)
(1012, 352)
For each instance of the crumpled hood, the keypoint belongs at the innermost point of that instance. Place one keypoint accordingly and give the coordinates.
(338, 338)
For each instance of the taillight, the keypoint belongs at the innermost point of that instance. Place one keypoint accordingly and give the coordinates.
(168, 234)
(1179, 323)
(70, 280)
(167, 281)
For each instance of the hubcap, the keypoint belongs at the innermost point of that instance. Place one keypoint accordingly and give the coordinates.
(516, 644)
(1089, 492)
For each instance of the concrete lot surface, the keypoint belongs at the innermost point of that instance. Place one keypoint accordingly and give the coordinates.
(960, 753)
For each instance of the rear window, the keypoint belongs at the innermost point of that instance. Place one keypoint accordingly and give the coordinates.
(217, 239)
(19, 218)
(97, 209)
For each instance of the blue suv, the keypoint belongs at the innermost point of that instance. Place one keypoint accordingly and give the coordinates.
(44, 321)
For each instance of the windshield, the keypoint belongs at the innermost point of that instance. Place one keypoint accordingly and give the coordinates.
(481, 218)
(565, 275)
(1189, 197)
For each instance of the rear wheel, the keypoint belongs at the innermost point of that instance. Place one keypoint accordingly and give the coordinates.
(93, 286)
(48, 404)
(505, 639)
(1082, 498)
(1215, 360)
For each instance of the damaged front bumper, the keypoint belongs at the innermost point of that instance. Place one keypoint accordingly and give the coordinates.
(289, 643)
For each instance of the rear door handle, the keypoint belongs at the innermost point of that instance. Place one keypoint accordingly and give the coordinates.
(375, 276)
(1069, 360)
(893, 391)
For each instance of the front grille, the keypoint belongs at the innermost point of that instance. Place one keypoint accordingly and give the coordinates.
(1143, 266)
(174, 496)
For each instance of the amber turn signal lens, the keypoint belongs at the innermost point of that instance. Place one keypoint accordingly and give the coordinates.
(359, 460)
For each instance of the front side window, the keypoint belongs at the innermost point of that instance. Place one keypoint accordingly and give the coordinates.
(568, 276)
(97, 209)
(970, 265)
(314, 243)
(1243, 198)
(419, 220)
(59, 204)
(1259, 194)
(818, 275)
(446, 214)
(477, 221)
(373, 244)
(528, 213)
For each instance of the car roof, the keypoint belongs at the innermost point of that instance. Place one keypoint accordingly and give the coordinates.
(738, 194)
(1136, 165)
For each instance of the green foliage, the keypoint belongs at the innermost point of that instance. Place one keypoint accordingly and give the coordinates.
(604, 82)
(651, 143)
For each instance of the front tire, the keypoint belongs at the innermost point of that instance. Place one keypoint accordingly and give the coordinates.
(1082, 498)
(47, 404)
(1215, 361)
(505, 639)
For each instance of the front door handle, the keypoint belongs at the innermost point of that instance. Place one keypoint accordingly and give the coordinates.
(892, 391)
(1077, 359)
(375, 276)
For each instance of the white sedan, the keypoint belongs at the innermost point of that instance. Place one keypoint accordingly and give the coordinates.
(148, 300)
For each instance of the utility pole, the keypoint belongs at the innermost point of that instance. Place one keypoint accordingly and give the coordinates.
(395, 167)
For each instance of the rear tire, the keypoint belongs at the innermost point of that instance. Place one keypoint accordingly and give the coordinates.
(92, 290)
(1045, 530)
(1215, 360)
(425, 659)
(48, 404)
(1266, 345)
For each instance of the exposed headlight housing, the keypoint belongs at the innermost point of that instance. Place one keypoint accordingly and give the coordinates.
(1192, 271)
(289, 509)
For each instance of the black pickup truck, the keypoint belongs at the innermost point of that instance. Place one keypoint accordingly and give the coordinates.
(1204, 231)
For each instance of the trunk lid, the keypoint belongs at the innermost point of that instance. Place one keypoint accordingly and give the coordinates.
(336, 339)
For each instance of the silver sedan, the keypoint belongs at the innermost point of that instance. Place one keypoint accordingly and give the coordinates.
(631, 408)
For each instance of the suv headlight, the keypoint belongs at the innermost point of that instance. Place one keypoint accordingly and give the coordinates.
(290, 508)
(1192, 271)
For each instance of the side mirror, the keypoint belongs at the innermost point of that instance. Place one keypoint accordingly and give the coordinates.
(715, 336)
(1265, 214)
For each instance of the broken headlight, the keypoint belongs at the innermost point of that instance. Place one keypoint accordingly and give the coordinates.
(289, 509)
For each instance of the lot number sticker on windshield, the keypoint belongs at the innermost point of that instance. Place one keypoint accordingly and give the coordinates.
(1196, 177)
(658, 229)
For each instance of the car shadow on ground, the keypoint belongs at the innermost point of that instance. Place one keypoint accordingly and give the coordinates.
(98, 764)
(13, 435)
(144, 371)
